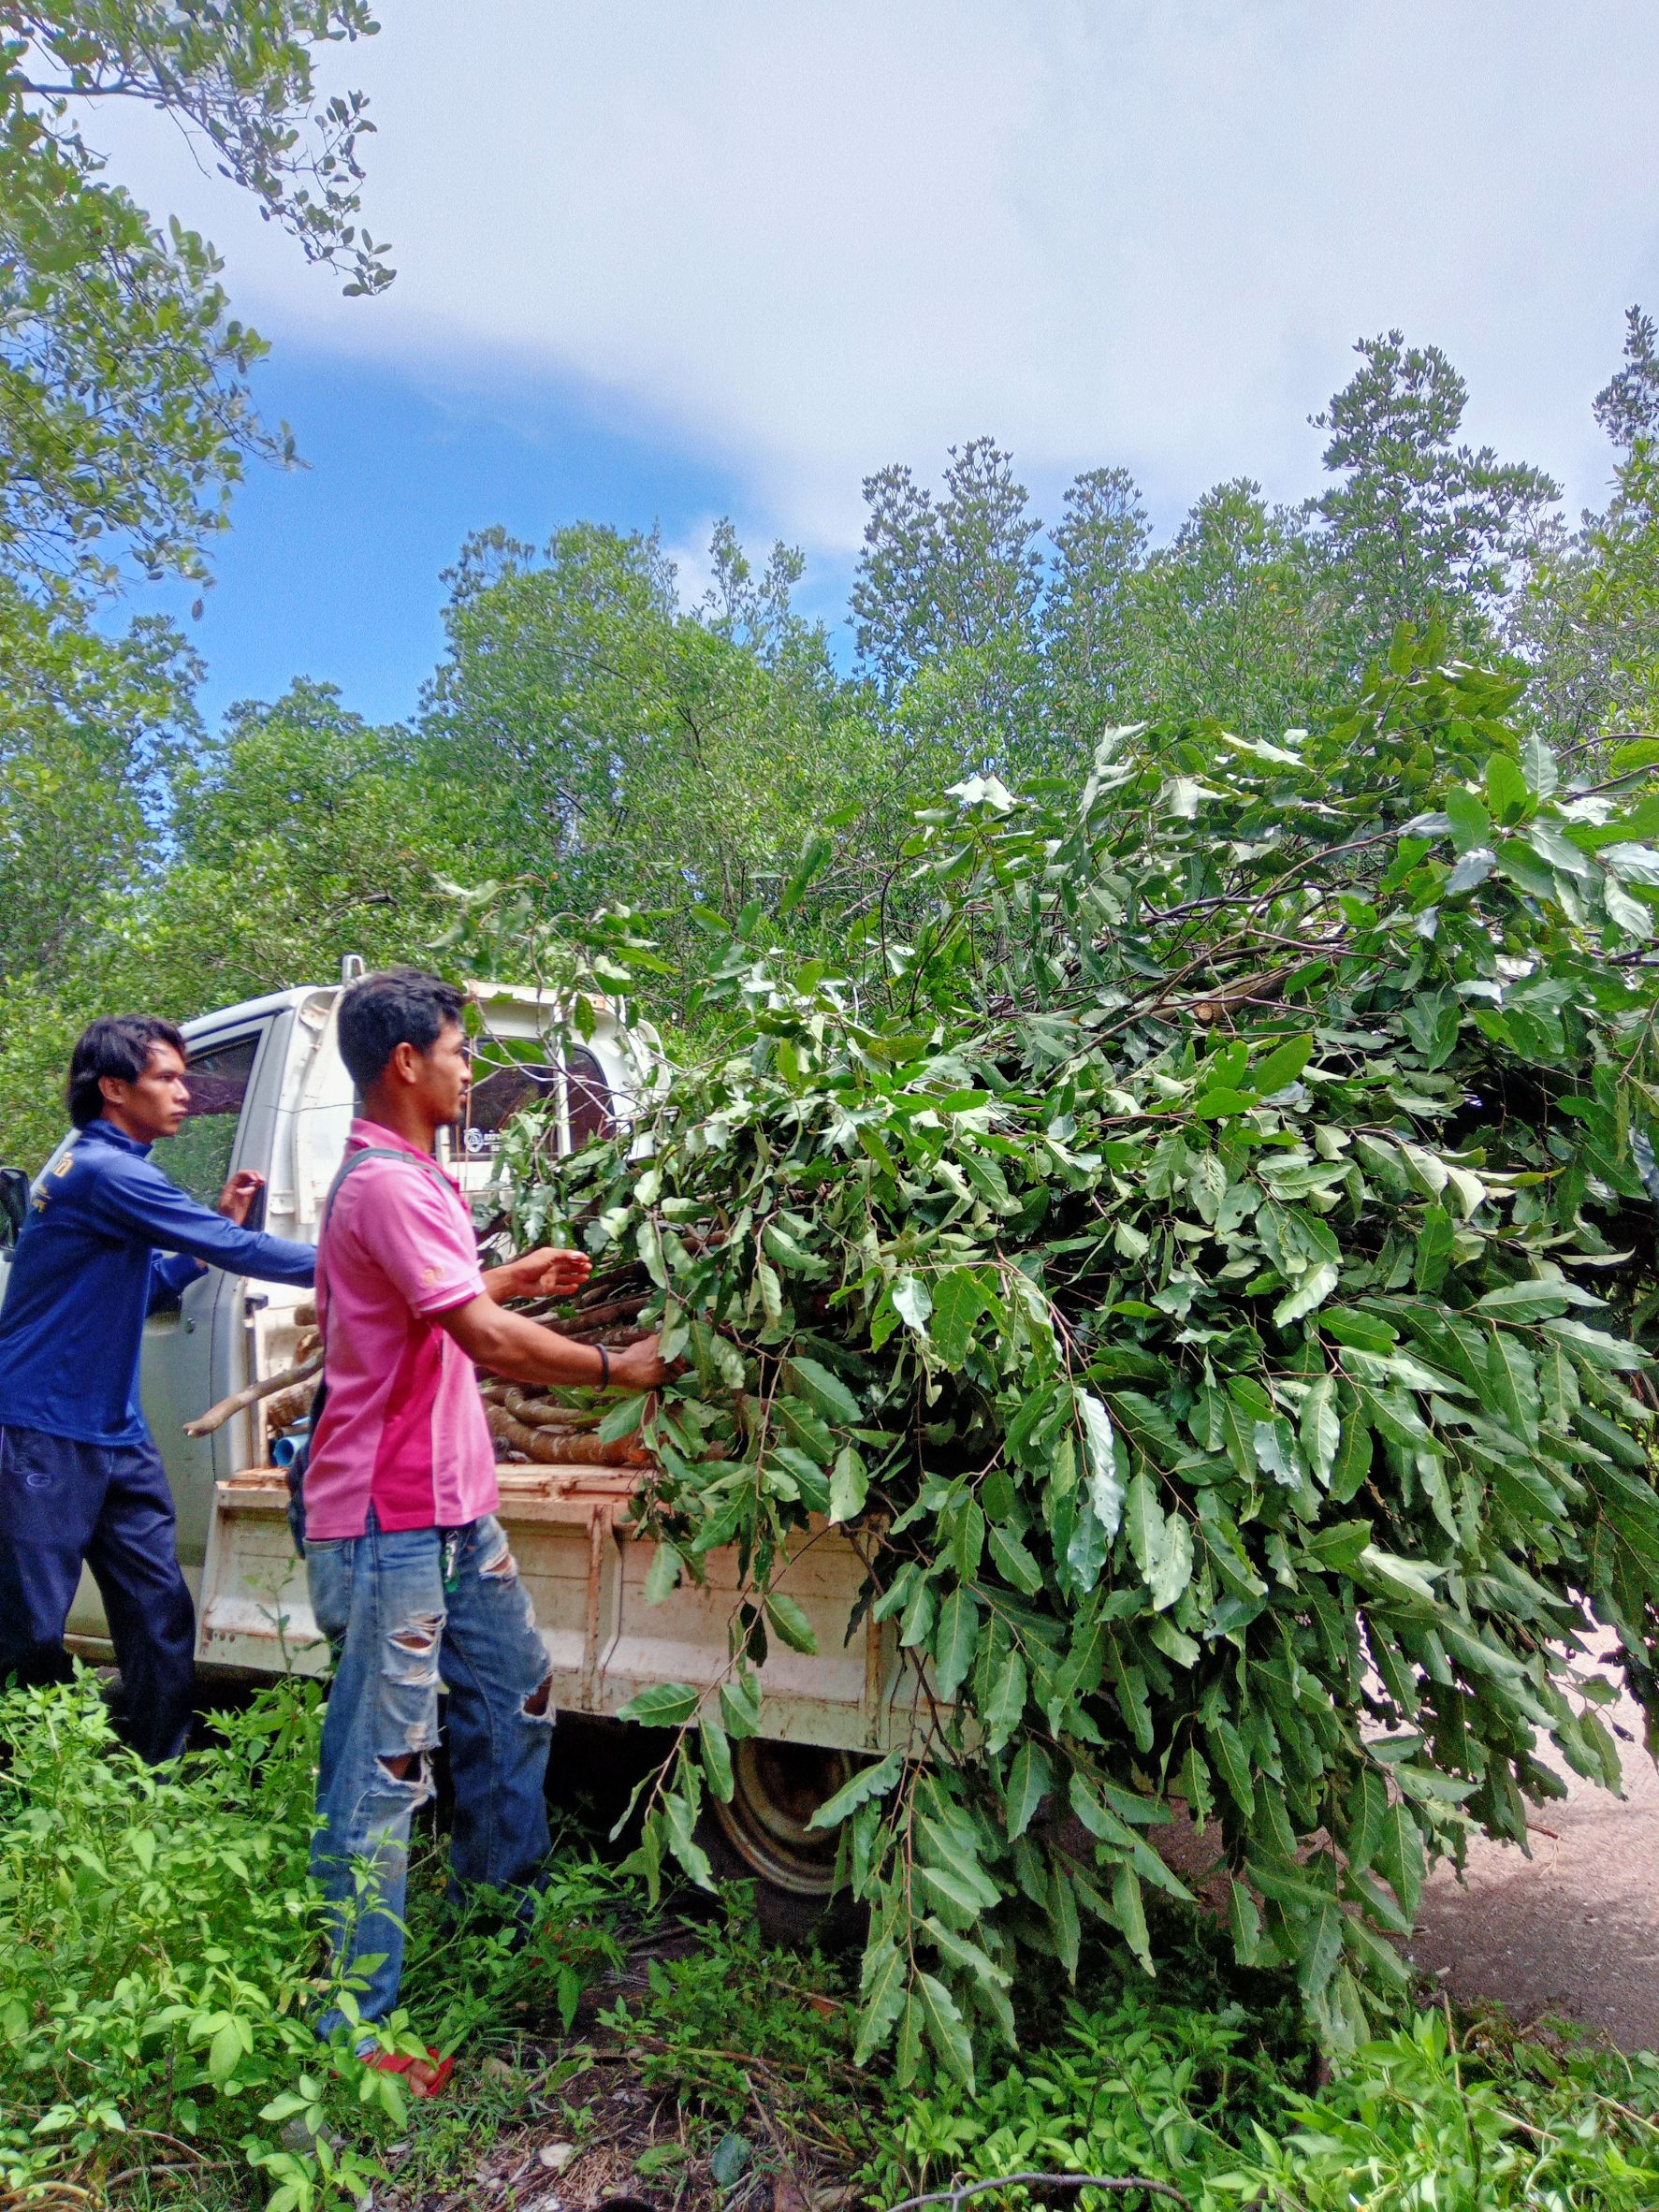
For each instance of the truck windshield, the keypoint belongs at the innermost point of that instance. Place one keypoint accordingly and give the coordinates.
(199, 1157)
(497, 1097)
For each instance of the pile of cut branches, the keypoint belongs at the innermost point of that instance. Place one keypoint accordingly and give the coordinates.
(1212, 1249)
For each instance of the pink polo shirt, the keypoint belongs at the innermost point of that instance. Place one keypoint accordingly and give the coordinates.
(403, 1427)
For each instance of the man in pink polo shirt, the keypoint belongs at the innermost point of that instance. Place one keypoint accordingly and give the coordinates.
(412, 1579)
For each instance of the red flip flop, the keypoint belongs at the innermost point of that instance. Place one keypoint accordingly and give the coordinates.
(399, 2062)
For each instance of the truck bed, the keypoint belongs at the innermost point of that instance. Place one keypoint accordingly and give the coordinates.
(572, 1533)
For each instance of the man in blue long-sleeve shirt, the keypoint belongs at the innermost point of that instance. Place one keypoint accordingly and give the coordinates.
(81, 1478)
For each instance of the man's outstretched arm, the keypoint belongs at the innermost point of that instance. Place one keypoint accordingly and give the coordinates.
(138, 1199)
(507, 1344)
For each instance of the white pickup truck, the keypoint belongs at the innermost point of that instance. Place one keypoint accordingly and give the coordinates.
(268, 1091)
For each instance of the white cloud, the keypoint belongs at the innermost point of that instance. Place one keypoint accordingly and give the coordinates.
(820, 236)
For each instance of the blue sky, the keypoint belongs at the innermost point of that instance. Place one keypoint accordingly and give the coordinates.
(333, 570)
(665, 263)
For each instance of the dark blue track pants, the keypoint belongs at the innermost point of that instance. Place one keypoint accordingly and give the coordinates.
(62, 1504)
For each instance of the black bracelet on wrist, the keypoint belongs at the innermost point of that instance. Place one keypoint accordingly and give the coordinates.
(605, 1367)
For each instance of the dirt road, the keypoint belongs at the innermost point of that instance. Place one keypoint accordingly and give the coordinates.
(1573, 1929)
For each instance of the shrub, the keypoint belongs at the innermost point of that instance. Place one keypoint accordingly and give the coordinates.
(160, 1949)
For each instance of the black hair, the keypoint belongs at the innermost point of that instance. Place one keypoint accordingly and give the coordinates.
(399, 1006)
(117, 1045)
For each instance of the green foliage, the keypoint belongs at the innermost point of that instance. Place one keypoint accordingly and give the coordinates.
(158, 1948)
(1237, 617)
(123, 402)
(1221, 1215)
(93, 726)
(1420, 526)
(945, 608)
(161, 1964)
(1179, 2093)
(611, 746)
(692, 2043)
(1410, 2122)
(303, 834)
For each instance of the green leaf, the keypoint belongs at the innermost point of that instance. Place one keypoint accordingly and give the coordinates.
(827, 1391)
(956, 1639)
(1103, 1457)
(913, 1301)
(946, 2030)
(791, 1623)
(660, 1705)
(958, 1301)
(1433, 1249)
(1470, 870)
(1321, 1427)
(850, 1485)
(622, 1419)
(663, 1574)
(882, 1982)
(1030, 1781)
(1282, 1066)
(740, 1705)
(1062, 1919)
(1170, 1579)
(1399, 1857)
(1006, 1704)
(959, 1891)
(1537, 764)
(1509, 799)
(873, 1780)
(1321, 1946)
(1313, 1291)
(681, 1818)
(1014, 1561)
(717, 1758)
(1223, 1104)
(1129, 1912)
(1471, 825)
(1144, 1525)
(1244, 1921)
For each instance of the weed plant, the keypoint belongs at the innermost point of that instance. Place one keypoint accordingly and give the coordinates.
(1185, 2082)
(161, 1961)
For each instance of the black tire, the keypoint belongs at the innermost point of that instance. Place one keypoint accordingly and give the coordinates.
(764, 1837)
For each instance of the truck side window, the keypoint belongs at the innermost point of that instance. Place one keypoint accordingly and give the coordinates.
(199, 1157)
(591, 1112)
(496, 1098)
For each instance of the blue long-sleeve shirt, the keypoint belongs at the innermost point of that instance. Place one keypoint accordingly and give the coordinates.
(87, 1271)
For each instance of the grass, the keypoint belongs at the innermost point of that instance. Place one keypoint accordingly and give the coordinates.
(159, 1964)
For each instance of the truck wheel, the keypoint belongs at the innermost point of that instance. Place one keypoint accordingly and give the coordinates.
(764, 1836)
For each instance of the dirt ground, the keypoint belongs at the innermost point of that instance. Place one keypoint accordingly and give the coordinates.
(1573, 1929)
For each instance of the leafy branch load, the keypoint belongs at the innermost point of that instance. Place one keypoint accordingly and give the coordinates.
(1201, 1229)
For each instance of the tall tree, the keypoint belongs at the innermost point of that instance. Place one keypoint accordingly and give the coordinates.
(1420, 527)
(1091, 608)
(124, 412)
(1588, 621)
(622, 748)
(1234, 617)
(91, 728)
(1627, 406)
(950, 587)
(124, 421)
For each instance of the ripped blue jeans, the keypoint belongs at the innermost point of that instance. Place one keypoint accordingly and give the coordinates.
(396, 1629)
